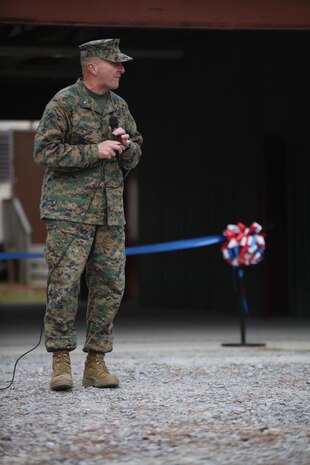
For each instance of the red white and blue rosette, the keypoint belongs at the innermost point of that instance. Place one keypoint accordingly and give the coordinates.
(244, 246)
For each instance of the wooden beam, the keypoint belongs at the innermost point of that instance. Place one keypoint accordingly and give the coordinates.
(228, 14)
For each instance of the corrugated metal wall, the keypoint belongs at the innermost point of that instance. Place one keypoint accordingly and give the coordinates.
(206, 164)
(299, 225)
(226, 131)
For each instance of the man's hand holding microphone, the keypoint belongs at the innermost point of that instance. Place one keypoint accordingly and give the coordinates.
(110, 148)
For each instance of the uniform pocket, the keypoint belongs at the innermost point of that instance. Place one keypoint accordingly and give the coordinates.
(60, 235)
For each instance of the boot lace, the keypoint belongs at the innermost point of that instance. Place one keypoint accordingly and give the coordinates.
(62, 361)
(101, 364)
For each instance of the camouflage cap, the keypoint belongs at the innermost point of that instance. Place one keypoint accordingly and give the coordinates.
(107, 49)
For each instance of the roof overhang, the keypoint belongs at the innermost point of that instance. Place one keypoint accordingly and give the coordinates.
(228, 14)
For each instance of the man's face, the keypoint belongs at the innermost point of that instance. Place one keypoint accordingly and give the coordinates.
(109, 74)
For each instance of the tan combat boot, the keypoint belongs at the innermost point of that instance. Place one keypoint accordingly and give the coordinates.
(61, 376)
(96, 373)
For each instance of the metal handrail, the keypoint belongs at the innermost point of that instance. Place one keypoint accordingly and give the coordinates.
(17, 233)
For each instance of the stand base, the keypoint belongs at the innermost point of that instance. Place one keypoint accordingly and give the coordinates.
(244, 344)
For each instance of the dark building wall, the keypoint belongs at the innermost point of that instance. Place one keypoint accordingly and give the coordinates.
(225, 139)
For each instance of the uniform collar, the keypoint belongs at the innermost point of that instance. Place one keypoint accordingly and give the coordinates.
(86, 101)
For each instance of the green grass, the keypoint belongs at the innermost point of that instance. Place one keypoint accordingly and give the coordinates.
(22, 299)
(19, 294)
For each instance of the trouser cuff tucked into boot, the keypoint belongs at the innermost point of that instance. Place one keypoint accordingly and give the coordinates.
(61, 376)
(96, 373)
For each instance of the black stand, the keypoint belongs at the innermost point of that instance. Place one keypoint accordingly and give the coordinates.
(240, 289)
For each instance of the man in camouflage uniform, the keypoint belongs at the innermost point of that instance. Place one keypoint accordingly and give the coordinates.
(82, 205)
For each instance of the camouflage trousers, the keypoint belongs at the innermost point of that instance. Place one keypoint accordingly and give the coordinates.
(70, 248)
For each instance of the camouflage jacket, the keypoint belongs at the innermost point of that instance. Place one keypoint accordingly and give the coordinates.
(66, 146)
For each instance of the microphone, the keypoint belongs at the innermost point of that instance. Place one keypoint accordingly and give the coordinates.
(113, 122)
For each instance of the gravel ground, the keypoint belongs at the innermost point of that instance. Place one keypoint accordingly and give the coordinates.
(183, 400)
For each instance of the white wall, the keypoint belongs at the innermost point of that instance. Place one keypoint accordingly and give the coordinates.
(18, 125)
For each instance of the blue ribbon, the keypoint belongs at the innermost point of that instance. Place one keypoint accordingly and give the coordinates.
(137, 250)
(174, 245)
(19, 256)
